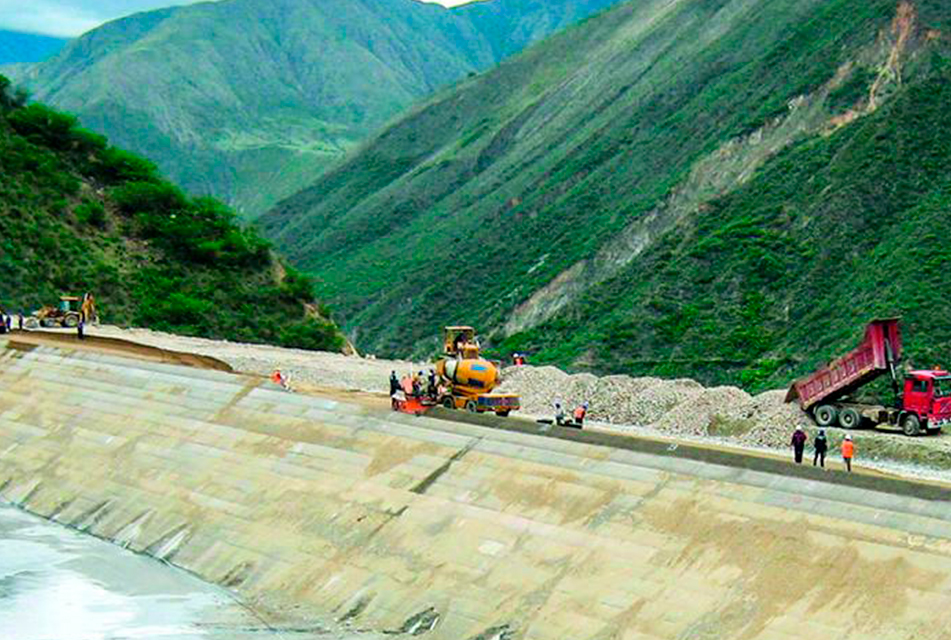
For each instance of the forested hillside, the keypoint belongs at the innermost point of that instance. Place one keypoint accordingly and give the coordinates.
(723, 189)
(77, 215)
(251, 100)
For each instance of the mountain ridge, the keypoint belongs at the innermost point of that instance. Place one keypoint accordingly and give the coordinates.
(251, 100)
(17, 47)
(580, 175)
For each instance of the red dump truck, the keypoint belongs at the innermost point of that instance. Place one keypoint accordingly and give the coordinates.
(922, 399)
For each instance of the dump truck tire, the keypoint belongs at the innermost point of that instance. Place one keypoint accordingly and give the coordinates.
(911, 425)
(449, 402)
(71, 321)
(850, 418)
(31, 323)
(471, 406)
(826, 415)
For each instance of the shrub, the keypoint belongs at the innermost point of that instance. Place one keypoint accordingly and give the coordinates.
(44, 126)
(92, 213)
(311, 334)
(297, 286)
(115, 166)
(148, 198)
(11, 98)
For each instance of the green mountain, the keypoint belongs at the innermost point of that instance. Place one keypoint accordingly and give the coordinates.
(725, 189)
(77, 214)
(251, 100)
(17, 47)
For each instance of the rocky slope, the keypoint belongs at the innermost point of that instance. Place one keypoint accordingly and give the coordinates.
(722, 190)
(250, 100)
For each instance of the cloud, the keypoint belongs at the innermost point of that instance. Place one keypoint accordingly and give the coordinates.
(68, 18)
(46, 17)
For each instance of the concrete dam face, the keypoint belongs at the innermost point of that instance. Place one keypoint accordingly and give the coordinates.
(422, 527)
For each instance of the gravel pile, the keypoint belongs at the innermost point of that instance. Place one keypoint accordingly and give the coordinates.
(677, 407)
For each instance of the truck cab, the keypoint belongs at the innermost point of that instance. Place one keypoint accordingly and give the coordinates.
(926, 398)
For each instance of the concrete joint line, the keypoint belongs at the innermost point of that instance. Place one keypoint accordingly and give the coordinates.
(433, 477)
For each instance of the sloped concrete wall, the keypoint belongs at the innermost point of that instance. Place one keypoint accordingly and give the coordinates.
(455, 531)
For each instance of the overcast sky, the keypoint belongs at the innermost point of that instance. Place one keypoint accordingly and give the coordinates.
(68, 18)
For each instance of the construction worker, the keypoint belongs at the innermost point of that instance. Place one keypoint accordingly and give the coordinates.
(280, 379)
(848, 452)
(394, 383)
(418, 380)
(3, 321)
(20, 321)
(433, 390)
(79, 328)
(559, 414)
(821, 445)
(397, 397)
(580, 413)
(798, 443)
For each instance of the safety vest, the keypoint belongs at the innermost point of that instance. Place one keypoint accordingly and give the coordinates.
(848, 448)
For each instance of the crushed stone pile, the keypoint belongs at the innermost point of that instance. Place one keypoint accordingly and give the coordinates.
(678, 407)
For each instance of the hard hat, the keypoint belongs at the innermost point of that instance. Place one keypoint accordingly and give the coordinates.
(848, 437)
(584, 404)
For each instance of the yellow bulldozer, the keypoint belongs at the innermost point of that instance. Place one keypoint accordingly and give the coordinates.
(469, 378)
(68, 314)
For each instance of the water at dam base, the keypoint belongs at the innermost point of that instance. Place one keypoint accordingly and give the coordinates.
(59, 584)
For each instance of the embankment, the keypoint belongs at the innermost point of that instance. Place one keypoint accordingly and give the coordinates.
(457, 531)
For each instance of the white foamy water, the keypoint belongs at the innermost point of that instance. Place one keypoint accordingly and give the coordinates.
(58, 584)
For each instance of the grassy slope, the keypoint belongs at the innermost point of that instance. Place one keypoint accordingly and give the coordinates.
(17, 47)
(250, 100)
(777, 277)
(77, 215)
(470, 204)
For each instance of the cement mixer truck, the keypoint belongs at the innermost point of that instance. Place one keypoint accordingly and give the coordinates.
(468, 378)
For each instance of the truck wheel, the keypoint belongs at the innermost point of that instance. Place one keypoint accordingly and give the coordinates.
(503, 414)
(850, 418)
(31, 323)
(911, 425)
(49, 323)
(449, 402)
(825, 415)
(71, 321)
(471, 406)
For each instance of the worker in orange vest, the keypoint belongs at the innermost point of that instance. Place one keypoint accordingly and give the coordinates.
(278, 378)
(580, 413)
(848, 452)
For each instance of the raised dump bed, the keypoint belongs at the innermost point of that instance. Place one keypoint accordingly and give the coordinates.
(922, 399)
